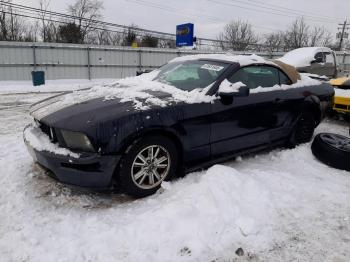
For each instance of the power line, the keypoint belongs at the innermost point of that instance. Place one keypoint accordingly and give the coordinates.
(284, 14)
(299, 12)
(31, 12)
(181, 13)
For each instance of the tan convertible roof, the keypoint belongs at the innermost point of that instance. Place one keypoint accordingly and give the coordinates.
(289, 70)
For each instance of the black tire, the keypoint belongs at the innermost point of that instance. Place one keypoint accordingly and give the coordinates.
(127, 175)
(331, 154)
(303, 130)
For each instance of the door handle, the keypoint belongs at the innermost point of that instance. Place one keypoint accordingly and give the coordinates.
(279, 101)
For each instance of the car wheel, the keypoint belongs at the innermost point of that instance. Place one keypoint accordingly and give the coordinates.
(303, 130)
(146, 164)
(332, 149)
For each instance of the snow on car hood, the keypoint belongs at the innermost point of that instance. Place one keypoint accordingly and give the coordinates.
(140, 90)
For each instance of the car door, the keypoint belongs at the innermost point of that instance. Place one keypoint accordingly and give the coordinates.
(330, 64)
(246, 122)
(316, 66)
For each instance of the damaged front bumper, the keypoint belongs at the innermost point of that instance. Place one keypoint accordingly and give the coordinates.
(79, 169)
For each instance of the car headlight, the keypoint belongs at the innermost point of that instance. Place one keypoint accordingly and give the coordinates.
(77, 140)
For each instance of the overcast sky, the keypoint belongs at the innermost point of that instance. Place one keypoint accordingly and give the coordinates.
(209, 16)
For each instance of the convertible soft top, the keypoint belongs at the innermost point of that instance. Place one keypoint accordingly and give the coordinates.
(290, 71)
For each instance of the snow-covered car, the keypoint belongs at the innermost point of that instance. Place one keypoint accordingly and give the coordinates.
(314, 60)
(193, 112)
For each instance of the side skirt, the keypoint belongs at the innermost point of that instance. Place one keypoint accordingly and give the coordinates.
(230, 157)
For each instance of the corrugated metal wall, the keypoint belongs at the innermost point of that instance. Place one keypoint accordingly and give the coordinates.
(69, 61)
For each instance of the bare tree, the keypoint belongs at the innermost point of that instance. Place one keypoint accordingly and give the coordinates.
(104, 37)
(70, 33)
(297, 35)
(12, 26)
(316, 36)
(129, 36)
(115, 38)
(328, 39)
(167, 43)
(149, 41)
(237, 35)
(48, 28)
(273, 42)
(86, 11)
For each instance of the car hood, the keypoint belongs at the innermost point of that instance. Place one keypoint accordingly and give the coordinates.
(86, 107)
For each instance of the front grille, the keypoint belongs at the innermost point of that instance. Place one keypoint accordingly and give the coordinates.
(49, 131)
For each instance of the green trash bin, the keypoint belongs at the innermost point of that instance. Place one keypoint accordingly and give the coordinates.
(38, 78)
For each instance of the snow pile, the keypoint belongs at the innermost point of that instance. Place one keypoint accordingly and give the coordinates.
(281, 205)
(302, 56)
(304, 81)
(228, 87)
(41, 142)
(342, 92)
(243, 60)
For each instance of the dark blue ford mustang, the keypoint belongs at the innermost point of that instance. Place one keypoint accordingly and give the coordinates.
(102, 143)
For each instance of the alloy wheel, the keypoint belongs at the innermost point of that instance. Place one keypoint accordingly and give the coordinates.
(150, 166)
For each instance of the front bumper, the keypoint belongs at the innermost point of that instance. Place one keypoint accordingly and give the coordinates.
(85, 170)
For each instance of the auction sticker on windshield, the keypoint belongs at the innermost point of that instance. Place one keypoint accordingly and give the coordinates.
(212, 67)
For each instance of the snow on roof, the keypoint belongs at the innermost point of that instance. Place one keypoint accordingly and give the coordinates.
(243, 60)
(302, 56)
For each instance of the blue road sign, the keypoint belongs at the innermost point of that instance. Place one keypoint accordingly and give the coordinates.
(184, 35)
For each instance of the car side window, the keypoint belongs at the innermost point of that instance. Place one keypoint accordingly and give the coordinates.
(256, 76)
(284, 79)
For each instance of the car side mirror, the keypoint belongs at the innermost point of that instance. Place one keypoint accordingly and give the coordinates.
(242, 92)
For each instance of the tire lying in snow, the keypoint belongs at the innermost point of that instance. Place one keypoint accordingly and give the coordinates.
(333, 150)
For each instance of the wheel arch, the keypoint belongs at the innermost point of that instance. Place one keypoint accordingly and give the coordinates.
(312, 104)
(165, 132)
(134, 138)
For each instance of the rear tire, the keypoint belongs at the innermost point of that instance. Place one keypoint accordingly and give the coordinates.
(303, 130)
(146, 164)
(333, 150)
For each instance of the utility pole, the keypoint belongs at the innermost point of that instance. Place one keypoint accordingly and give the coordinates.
(343, 27)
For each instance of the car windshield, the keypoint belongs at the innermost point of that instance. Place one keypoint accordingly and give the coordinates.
(190, 75)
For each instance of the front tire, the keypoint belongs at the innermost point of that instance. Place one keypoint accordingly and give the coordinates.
(146, 164)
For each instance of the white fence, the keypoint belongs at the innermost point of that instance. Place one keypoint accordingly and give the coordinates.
(69, 61)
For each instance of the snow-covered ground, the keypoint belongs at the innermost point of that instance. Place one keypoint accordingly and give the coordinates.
(281, 205)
